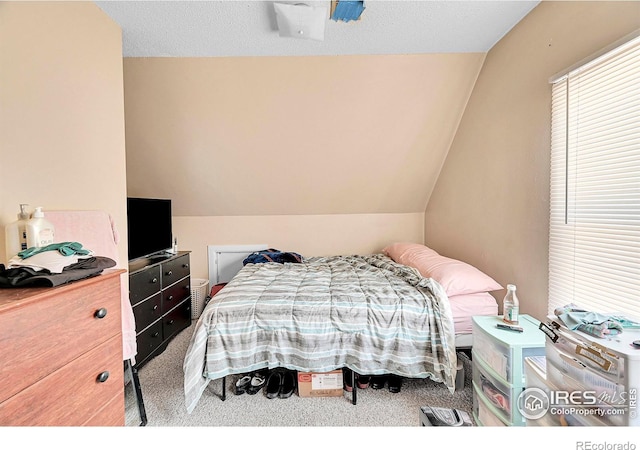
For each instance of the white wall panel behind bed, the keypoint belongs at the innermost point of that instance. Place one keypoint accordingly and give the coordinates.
(226, 260)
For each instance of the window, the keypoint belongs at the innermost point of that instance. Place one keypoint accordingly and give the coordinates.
(594, 236)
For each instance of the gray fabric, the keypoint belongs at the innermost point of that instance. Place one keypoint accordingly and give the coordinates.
(366, 313)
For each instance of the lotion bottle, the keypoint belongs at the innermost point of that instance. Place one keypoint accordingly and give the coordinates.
(40, 231)
(16, 233)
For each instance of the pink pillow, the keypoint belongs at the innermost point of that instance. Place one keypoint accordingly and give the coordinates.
(398, 250)
(456, 277)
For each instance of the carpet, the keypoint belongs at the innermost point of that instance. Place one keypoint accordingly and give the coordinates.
(161, 381)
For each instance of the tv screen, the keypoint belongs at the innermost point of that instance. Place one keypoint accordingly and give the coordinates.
(148, 226)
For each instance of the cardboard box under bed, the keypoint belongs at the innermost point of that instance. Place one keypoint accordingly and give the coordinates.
(313, 384)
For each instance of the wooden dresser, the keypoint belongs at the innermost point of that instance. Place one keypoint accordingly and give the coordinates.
(61, 354)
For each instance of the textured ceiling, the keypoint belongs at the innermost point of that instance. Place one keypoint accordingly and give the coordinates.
(248, 28)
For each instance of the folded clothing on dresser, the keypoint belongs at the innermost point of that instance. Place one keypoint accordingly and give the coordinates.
(19, 277)
(53, 257)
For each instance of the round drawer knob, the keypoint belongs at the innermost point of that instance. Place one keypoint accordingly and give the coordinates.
(104, 376)
(170, 322)
(155, 280)
(156, 334)
(169, 273)
(186, 266)
(170, 298)
(101, 313)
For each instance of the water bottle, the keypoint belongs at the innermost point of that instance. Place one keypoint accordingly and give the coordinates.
(511, 306)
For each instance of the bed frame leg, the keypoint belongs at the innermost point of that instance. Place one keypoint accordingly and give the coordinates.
(460, 372)
(354, 388)
(224, 389)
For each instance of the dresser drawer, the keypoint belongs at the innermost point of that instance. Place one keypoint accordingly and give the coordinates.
(175, 270)
(148, 340)
(110, 415)
(148, 311)
(41, 335)
(144, 284)
(72, 394)
(177, 320)
(175, 294)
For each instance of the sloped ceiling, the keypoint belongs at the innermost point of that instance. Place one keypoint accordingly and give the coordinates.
(255, 124)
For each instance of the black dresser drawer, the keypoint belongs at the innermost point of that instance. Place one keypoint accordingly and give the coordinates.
(174, 270)
(148, 341)
(175, 294)
(176, 320)
(144, 284)
(148, 311)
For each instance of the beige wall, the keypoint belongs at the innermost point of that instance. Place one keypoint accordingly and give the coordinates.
(317, 235)
(62, 113)
(293, 135)
(319, 155)
(490, 205)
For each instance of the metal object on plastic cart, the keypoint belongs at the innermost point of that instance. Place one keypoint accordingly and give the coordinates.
(199, 288)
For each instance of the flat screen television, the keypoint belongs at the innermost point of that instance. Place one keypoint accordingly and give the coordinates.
(148, 226)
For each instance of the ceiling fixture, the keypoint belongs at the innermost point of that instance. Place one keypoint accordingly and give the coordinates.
(301, 21)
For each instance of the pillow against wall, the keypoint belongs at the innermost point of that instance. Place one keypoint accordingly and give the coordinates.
(398, 250)
(456, 277)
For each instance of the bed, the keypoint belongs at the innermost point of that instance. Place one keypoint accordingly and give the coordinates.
(370, 313)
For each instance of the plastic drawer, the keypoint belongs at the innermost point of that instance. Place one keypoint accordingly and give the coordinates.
(482, 413)
(493, 353)
(537, 378)
(535, 369)
(581, 376)
(496, 393)
(606, 363)
(600, 411)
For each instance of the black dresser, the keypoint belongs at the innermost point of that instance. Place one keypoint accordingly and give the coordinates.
(160, 293)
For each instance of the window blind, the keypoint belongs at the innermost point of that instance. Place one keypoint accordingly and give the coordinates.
(594, 235)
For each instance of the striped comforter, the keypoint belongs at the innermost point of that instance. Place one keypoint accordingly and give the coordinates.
(367, 313)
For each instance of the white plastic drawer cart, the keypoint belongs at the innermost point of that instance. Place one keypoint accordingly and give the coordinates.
(498, 368)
